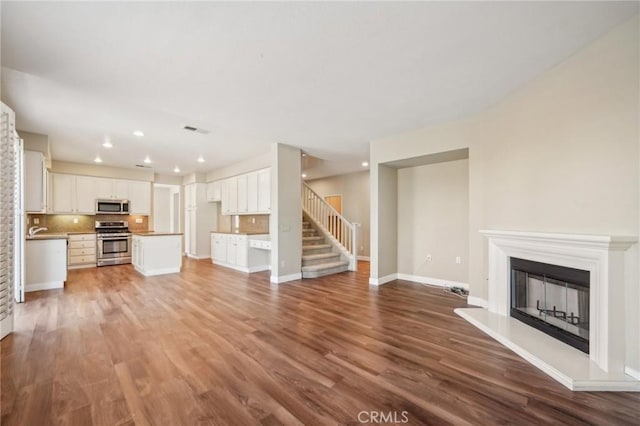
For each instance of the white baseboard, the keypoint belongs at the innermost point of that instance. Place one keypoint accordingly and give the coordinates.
(155, 272)
(286, 278)
(383, 280)
(250, 270)
(51, 285)
(477, 301)
(364, 258)
(632, 372)
(191, 256)
(432, 281)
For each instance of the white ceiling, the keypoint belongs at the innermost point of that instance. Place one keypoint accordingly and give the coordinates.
(326, 77)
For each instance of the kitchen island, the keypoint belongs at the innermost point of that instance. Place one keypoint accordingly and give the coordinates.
(156, 253)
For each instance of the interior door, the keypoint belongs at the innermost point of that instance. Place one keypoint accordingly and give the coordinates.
(335, 201)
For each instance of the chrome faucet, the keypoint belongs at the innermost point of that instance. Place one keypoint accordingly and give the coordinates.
(34, 230)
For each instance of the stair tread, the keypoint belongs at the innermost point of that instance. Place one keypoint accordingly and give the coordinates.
(323, 266)
(315, 246)
(320, 256)
(316, 238)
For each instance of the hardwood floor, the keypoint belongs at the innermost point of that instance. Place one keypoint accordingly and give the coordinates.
(215, 346)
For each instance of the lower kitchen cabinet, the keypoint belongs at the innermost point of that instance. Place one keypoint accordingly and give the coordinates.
(82, 250)
(156, 254)
(233, 251)
(45, 264)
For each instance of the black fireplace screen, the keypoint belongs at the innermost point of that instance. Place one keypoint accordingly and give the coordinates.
(553, 299)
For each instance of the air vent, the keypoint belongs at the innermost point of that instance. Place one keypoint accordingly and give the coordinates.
(195, 129)
(143, 166)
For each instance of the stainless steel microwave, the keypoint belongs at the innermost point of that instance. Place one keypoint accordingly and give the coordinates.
(112, 206)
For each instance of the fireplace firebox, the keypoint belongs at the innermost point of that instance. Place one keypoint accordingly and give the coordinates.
(554, 299)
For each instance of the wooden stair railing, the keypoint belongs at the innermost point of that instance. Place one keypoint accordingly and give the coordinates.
(336, 227)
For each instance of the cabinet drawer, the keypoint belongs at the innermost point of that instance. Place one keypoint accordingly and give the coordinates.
(81, 260)
(82, 237)
(82, 244)
(82, 251)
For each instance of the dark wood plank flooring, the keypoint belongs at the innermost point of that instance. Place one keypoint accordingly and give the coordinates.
(215, 346)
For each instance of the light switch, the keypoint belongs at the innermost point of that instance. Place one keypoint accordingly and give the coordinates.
(138, 220)
(36, 221)
(75, 220)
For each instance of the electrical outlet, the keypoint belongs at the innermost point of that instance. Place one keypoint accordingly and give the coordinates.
(429, 258)
(253, 220)
(75, 220)
(458, 260)
(36, 221)
(138, 220)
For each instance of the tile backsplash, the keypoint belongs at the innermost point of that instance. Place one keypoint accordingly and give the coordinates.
(58, 223)
(243, 223)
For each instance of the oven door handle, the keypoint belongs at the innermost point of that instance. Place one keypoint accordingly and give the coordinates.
(113, 238)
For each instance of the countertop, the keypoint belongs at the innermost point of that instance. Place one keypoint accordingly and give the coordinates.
(47, 237)
(240, 233)
(81, 233)
(155, 234)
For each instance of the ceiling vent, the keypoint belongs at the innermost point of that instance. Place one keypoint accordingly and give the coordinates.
(143, 166)
(195, 129)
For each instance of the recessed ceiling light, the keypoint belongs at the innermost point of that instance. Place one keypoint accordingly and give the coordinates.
(138, 133)
(176, 170)
(304, 154)
(107, 143)
(200, 159)
(304, 175)
(147, 159)
(365, 164)
(98, 159)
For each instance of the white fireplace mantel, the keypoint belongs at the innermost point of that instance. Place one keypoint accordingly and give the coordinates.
(604, 258)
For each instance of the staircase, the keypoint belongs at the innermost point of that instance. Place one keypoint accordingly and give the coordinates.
(318, 257)
(329, 241)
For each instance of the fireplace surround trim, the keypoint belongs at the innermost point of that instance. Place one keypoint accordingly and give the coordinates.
(604, 258)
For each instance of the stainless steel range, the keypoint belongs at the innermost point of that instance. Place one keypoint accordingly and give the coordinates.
(114, 242)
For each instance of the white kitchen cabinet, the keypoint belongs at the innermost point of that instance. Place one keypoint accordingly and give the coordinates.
(35, 186)
(156, 254)
(200, 217)
(242, 194)
(140, 198)
(73, 194)
(78, 194)
(82, 251)
(63, 197)
(45, 264)
(230, 196)
(218, 248)
(252, 192)
(214, 191)
(85, 196)
(113, 189)
(249, 193)
(264, 191)
(233, 251)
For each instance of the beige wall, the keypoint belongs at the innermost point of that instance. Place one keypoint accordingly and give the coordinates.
(354, 189)
(433, 219)
(285, 221)
(558, 155)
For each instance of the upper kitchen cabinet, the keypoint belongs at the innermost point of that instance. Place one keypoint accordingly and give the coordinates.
(264, 191)
(78, 194)
(139, 198)
(229, 201)
(214, 191)
(113, 189)
(73, 194)
(35, 183)
(249, 193)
